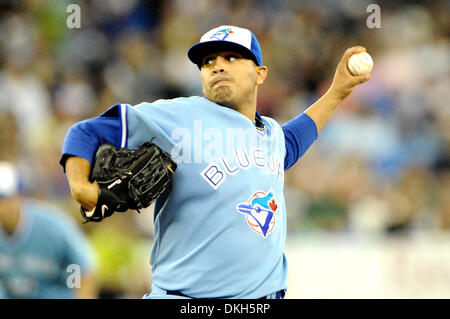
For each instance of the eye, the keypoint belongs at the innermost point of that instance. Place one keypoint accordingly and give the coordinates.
(208, 60)
(232, 57)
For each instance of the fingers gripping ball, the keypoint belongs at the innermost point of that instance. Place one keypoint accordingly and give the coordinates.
(360, 63)
(128, 179)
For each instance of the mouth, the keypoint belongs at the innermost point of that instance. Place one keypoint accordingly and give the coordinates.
(220, 80)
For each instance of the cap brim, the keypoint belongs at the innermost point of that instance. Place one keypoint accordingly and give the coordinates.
(198, 51)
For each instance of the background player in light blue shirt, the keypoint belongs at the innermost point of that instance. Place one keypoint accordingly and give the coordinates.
(42, 252)
(220, 231)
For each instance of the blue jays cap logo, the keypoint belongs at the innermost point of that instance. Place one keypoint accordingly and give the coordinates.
(221, 34)
(238, 38)
(260, 212)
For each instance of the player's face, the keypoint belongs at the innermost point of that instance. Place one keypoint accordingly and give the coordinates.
(230, 79)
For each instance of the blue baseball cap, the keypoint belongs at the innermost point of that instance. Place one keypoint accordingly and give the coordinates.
(226, 37)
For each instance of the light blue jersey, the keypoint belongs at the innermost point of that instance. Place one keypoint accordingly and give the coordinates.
(34, 260)
(220, 231)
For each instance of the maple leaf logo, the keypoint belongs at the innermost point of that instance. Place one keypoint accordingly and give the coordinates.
(273, 205)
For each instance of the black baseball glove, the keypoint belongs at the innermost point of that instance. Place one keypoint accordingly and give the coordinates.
(128, 179)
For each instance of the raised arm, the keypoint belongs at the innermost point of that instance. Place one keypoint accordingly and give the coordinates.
(301, 132)
(343, 84)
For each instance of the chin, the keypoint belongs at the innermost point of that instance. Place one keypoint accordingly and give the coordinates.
(225, 98)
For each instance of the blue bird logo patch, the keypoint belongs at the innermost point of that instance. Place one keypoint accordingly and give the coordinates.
(221, 34)
(260, 212)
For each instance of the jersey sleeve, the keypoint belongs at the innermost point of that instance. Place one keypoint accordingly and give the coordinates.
(299, 133)
(84, 138)
(124, 125)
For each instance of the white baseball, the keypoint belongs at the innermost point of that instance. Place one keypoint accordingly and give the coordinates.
(360, 63)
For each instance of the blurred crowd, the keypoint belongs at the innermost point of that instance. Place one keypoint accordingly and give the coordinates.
(381, 166)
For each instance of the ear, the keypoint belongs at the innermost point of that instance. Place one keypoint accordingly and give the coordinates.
(261, 74)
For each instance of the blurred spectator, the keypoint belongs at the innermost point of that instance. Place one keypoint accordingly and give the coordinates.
(8, 137)
(21, 92)
(42, 253)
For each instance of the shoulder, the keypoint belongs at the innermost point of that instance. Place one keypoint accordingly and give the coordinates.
(168, 103)
(271, 123)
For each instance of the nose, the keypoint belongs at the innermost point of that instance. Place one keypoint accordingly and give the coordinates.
(219, 65)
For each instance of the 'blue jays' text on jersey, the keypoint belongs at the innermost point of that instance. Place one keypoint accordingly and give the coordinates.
(38, 258)
(220, 231)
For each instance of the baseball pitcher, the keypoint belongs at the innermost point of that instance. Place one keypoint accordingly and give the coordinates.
(214, 166)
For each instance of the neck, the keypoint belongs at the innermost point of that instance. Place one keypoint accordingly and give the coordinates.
(249, 109)
(249, 113)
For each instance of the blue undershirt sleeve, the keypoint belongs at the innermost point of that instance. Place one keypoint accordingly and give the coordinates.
(299, 134)
(84, 138)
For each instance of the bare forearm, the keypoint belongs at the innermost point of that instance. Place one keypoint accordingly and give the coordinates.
(77, 172)
(321, 111)
(343, 85)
